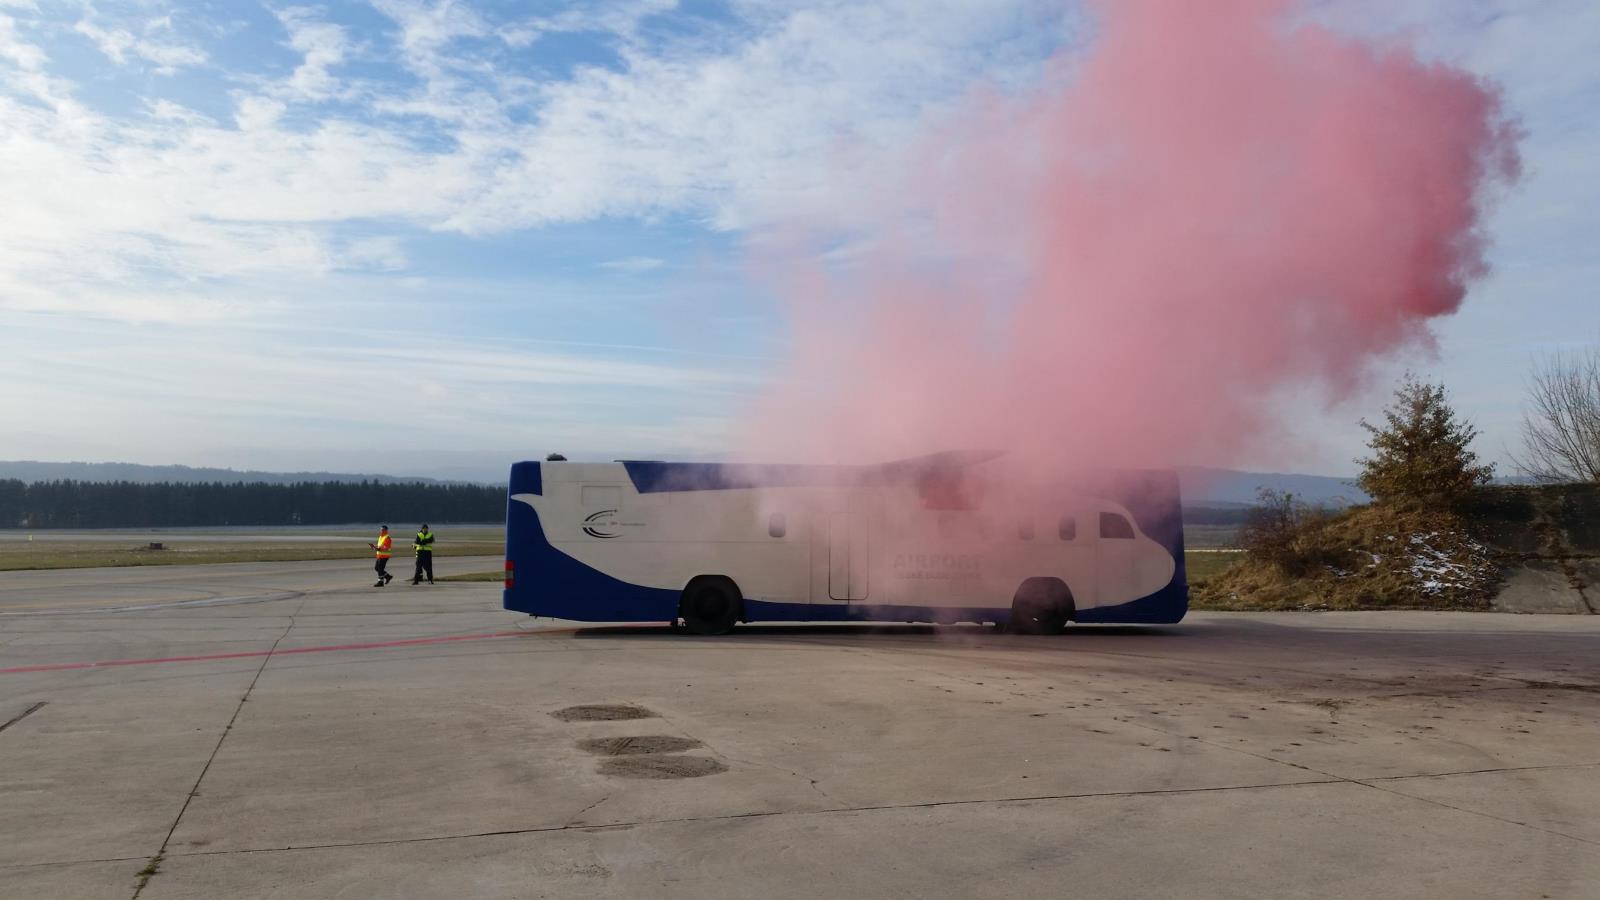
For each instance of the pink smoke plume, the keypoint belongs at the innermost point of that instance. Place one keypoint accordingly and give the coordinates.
(1212, 205)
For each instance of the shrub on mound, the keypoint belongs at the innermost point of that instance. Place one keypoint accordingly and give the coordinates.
(1368, 557)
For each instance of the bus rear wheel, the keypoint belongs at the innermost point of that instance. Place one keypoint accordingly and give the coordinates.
(711, 605)
(1041, 606)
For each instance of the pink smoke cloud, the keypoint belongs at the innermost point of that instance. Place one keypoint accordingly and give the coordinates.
(1212, 205)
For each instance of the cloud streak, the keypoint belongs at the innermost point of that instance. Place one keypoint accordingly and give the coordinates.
(284, 150)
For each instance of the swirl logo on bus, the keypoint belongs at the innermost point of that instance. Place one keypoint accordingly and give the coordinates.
(593, 523)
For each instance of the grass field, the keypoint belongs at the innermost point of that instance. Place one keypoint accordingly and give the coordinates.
(1204, 565)
(1211, 537)
(70, 554)
(475, 576)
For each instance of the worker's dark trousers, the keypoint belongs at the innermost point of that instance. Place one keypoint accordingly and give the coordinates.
(381, 567)
(424, 564)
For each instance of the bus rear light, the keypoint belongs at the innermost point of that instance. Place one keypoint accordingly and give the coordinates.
(511, 580)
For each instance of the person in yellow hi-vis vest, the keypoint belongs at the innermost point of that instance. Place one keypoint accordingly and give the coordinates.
(423, 545)
(381, 550)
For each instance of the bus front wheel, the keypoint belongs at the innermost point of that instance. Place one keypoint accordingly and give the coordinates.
(1041, 606)
(711, 605)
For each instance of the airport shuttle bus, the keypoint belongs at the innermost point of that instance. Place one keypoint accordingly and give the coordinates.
(944, 538)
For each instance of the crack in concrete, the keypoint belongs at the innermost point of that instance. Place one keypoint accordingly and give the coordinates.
(1330, 779)
(151, 607)
(891, 807)
(1368, 783)
(1371, 782)
(572, 822)
(24, 714)
(153, 868)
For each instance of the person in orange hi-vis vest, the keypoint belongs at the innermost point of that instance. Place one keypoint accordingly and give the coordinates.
(381, 549)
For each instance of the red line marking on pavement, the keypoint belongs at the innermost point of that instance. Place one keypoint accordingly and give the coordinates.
(331, 648)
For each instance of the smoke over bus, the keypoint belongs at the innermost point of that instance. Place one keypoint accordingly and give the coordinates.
(1211, 204)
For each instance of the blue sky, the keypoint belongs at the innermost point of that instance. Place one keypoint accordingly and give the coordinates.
(428, 237)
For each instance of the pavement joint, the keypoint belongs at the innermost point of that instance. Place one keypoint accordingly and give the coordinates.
(151, 607)
(889, 807)
(23, 715)
(1476, 812)
(1368, 783)
(154, 866)
(1372, 782)
(609, 826)
(1426, 775)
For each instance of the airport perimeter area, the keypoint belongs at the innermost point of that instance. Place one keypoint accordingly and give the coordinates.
(286, 730)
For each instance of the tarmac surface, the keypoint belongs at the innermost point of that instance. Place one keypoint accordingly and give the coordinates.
(287, 730)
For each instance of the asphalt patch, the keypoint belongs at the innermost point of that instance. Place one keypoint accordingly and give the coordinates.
(661, 766)
(602, 713)
(638, 745)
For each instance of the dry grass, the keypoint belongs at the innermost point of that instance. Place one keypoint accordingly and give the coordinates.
(1370, 557)
(475, 576)
(1202, 566)
(18, 555)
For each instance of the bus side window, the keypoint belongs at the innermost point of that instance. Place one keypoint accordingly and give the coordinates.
(777, 525)
(1067, 528)
(1025, 530)
(1115, 527)
(601, 496)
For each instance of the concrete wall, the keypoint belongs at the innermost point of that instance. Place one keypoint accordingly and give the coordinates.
(1548, 539)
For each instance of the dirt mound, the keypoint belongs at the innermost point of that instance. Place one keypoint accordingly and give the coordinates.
(1370, 557)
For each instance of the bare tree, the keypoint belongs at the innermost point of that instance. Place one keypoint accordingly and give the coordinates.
(1561, 428)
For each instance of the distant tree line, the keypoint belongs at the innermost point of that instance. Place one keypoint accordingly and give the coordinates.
(126, 504)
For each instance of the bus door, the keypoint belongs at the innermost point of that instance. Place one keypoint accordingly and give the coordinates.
(847, 555)
(1117, 544)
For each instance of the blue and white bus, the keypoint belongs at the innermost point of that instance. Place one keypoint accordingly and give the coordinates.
(944, 538)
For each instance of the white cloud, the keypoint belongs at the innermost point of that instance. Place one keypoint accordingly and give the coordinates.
(323, 46)
(735, 133)
(120, 45)
(384, 254)
(213, 384)
(428, 25)
(794, 110)
(618, 17)
(633, 264)
(17, 51)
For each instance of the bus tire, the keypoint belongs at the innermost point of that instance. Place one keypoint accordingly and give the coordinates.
(1042, 606)
(711, 605)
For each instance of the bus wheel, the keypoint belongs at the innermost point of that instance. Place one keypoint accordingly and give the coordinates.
(711, 605)
(1041, 606)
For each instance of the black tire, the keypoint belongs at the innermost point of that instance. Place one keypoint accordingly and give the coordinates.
(1041, 606)
(711, 605)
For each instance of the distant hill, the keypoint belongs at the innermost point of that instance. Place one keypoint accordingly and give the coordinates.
(1202, 487)
(31, 471)
(1229, 487)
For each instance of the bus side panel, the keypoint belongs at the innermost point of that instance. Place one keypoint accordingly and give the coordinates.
(1154, 500)
(548, 582)
(768, 611)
